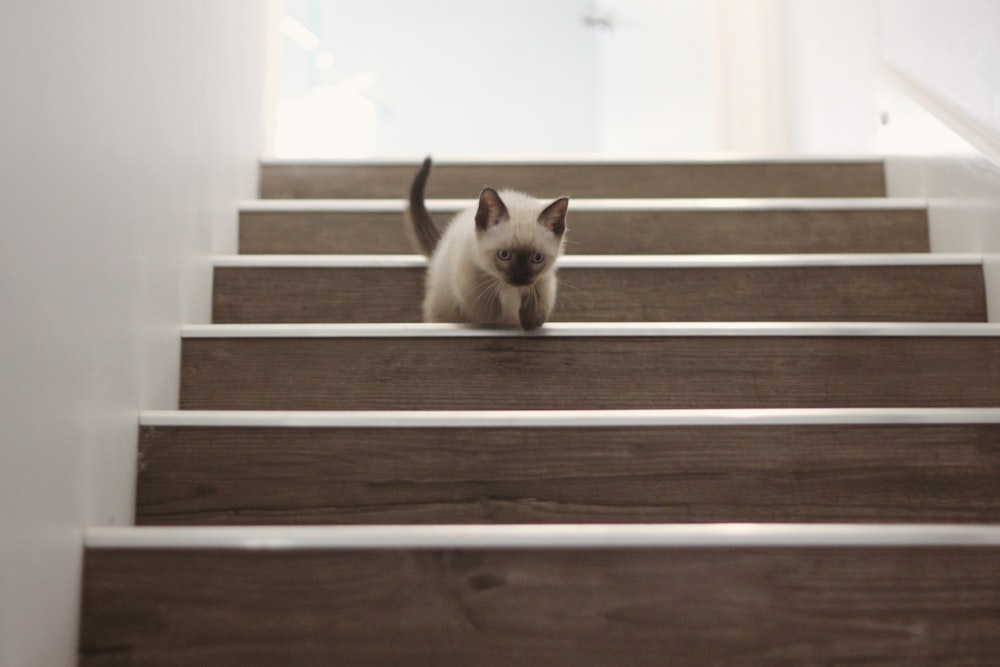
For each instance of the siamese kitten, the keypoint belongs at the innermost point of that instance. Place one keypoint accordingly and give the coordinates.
(495, 263)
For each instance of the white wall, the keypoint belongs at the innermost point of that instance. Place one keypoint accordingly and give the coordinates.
(750, 82)
(941, 69)
(656, 87)
(830, 65)
(949, 48)
(128, 131)
(647, 77)
(397, 77)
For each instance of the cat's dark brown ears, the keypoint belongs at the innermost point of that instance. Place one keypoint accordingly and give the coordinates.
(554, 216)
(491, 211)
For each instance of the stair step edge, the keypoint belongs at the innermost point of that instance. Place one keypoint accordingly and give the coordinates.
(600, 159)
(597, 204)
(549, 536)
(845, 260)
(596, 329)
(566, 418)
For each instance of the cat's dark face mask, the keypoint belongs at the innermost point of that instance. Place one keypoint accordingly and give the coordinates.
(522, 266)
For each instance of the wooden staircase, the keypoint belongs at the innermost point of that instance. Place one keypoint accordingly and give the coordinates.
(763, 429)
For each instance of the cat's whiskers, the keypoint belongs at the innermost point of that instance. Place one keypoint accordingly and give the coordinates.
(489, 289)
(485, 286)
(568, 294)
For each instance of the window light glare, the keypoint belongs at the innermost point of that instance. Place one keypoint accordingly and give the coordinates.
(298, 33)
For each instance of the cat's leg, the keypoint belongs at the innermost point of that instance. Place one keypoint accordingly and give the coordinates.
(439, 307)
(536, 304)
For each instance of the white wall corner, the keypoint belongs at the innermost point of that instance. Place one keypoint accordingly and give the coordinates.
(938, 154)
(940, 107)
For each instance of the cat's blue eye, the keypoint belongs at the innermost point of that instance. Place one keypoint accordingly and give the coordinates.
(504, 254)
(538, 258)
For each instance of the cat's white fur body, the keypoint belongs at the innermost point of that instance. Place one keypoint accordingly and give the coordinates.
(465, 279)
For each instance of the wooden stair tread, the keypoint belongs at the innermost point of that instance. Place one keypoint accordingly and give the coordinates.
(580, 178)
(546, 606)
(290, 289)
(590, 367)
(610, 226)
(529, 469)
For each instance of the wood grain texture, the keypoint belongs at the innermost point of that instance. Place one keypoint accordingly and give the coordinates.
(692, 179)
(531, 372)
(615, 232)
(216, 476)
(634, 607)
(811, 293)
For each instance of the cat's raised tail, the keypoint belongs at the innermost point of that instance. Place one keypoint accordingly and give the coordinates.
(423, 225)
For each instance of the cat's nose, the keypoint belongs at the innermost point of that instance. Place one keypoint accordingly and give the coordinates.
(520, 276)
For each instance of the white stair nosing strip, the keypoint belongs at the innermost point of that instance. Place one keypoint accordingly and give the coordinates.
(346, 205)
(569, 418)
(599, 159)
(609, 205)
(346, 261)
(559, 536)
(750, 261)
(596, 329)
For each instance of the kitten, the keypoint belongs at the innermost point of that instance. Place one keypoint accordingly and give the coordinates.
(495, 263)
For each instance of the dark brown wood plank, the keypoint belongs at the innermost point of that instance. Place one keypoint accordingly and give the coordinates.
(844, 473)
(664, 179)
(532, 372)
(687, 232)
(913, 293)
(634, 607)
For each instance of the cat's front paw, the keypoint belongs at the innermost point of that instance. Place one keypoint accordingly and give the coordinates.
(531, 323)
(535, 308)
(531, 313)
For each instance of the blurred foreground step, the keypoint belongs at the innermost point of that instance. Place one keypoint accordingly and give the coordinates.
(581, 366)
(389, 288)
(542, 595)
(908, 465)
(577, 177)
(609, 226)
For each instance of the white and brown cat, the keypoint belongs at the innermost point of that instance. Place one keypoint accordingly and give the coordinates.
(495, 263)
